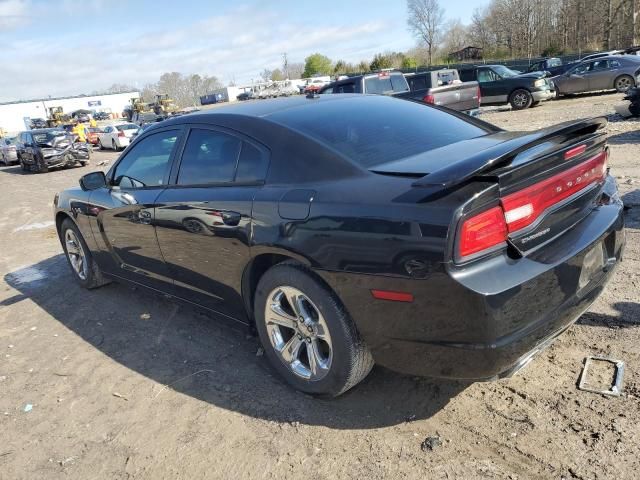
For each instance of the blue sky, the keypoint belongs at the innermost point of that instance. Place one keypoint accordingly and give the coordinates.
(68, 47)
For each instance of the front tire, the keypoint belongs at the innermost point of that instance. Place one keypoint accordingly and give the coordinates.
(623, 83)
(307, 334)
(85, 270)
(520, 99)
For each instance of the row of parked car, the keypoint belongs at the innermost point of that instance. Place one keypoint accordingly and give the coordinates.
(466, 89)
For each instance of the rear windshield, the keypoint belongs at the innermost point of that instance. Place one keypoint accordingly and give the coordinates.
(129, 126)
(372, 130)
(554, 62)
(386, 83)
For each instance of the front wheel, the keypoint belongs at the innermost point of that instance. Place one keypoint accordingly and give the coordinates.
(85, 270)
(307, 334)
(623, 83)
(520, 99)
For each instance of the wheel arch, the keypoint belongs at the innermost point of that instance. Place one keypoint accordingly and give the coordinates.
(61, 216)
(259, 265)
(633, 81)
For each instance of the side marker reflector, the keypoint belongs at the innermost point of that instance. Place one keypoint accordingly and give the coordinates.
(393, 296)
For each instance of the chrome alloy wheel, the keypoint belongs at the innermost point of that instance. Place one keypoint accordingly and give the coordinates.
(624, 83)
(520, 99)
(298, 333)
(76, 254)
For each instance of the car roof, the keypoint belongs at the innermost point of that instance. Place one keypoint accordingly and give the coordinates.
(262, 108)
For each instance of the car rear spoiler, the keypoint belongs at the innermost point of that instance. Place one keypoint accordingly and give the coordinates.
(503, 153)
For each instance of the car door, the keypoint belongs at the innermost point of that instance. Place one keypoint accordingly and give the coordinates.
(600, 75)
(203, 220)
(124, 211)
(577, 79)
(491, 86)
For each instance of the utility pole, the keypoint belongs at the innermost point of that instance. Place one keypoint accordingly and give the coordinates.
(285, 65)
(634, 25)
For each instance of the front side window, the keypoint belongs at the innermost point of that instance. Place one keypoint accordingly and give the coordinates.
(209, 157)
(581, 69)
(147, 163)
(485, 76)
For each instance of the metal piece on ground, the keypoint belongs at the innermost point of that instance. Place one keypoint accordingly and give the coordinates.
(616, 387)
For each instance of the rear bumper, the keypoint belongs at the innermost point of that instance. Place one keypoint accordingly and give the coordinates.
(485, 321)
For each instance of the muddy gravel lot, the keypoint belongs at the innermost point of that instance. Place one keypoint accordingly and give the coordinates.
(119, 383)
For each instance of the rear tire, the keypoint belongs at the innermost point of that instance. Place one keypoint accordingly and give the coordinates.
(114, 146)
(315, 345)
(623, 83)
(520, 99)
(84, 269)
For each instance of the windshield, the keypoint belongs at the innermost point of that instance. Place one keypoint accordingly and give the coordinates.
(372, 130)
(46, 138)
(504, 72)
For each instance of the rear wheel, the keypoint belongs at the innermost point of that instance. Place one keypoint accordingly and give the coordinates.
(623, 83)
(307, 334)
(85, 270)
(520, 99)
(113, 145)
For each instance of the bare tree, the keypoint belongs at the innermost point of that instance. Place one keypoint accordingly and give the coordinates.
(425, 22)
(295, 70)
(455, 36)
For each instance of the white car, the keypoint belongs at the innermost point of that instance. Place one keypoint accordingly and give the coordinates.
(117, 136)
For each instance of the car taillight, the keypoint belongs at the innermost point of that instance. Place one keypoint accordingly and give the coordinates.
(482, 231)
(523, 208)
(120, 133)
(429, 99)
(520, 209)
(479, 95)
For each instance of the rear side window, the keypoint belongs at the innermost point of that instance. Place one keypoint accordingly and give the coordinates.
(372, 130)
(385, 84)
(345, 88)
(252, 164)
(209, 157)
(417, 83)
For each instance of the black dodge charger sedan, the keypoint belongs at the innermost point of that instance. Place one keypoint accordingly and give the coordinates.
(353, 229)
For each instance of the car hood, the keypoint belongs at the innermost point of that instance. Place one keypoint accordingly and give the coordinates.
(535, 75)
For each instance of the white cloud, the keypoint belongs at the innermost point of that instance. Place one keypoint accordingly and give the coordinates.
(238, 44)
(13, 13)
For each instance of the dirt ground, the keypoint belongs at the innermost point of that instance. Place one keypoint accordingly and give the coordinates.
(118, 383)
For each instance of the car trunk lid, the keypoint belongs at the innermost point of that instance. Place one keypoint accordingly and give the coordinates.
(547, 181)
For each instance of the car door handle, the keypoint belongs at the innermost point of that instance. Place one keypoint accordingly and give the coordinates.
(124, 197)
(231, 218)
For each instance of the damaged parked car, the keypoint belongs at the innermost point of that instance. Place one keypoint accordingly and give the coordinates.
(614, 72)
(415, 237)
(39, 150)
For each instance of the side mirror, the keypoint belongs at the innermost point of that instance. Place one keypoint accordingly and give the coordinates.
(93, 181)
